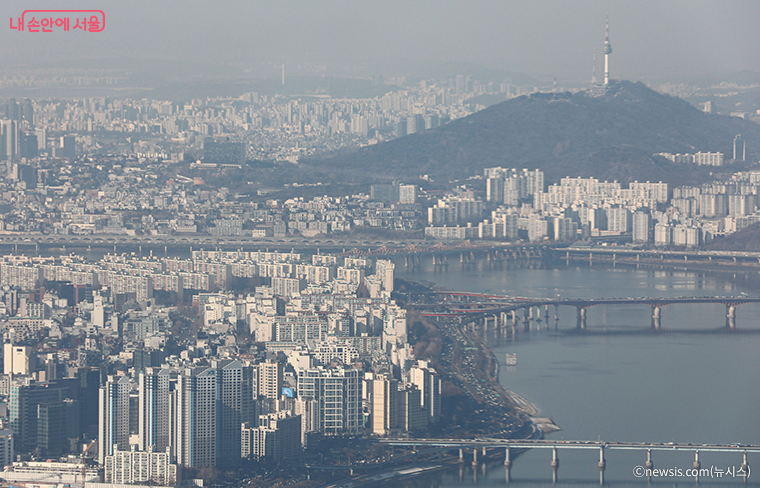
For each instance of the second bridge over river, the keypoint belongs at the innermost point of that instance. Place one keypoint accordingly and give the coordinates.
(506, 311)
(508, 447)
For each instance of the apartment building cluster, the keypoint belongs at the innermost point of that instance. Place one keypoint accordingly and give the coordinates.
(699, 158)
(579, 208)
(702, 158)
(320, 350)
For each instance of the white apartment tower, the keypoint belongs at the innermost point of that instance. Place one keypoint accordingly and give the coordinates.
(384, 405)
(269, 379)
(384, 269)
(429, 383)
(641, 223)
(113, 412)
(337, 393)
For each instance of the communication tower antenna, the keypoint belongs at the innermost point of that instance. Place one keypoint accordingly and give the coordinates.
(607, 52)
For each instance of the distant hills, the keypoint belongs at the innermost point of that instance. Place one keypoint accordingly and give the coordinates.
(747, 239)
(611, 136)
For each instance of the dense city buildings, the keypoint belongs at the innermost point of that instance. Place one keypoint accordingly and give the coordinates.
(266, 369)
(216, 358)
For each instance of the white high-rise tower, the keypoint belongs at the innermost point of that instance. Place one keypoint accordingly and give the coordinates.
(607, 52)
(113, 424)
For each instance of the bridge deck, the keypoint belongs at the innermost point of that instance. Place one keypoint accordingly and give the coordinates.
(550, 444)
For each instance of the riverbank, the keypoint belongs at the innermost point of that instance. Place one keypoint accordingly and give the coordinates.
(524, 408)
(675, 264)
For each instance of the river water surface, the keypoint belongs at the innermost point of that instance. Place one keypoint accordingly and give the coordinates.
(693, 381)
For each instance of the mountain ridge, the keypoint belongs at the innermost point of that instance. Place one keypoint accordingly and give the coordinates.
(611, 137)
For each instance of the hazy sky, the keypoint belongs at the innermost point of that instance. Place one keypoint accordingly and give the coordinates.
(658, 38)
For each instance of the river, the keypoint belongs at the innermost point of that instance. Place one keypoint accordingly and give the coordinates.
(693, 381)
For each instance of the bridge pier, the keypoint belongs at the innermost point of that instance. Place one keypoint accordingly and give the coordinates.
(656, 316)
(507, 464)
(745, 467)
(554, 464)
(581, 318)
(475, 457)
(696, 465)
(461, 455)
(731, 316)
(649, 465)
(602, 465)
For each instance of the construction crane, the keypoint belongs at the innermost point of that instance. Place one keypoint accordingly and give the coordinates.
(84, 462)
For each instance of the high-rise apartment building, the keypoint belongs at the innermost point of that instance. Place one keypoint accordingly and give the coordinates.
(429, 383)
(113, 415)
(196, 418)
(384, 270)
(269, 379)
(384, 402)
(154, 410)
(9, 147)
(235, 406)
(338, 395)
(641, 223)
(740, 149)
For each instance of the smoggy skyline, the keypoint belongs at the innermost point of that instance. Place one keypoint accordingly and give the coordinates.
(671, 39)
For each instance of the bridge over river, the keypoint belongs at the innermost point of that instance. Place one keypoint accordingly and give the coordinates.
(493, 447)
(502, 310)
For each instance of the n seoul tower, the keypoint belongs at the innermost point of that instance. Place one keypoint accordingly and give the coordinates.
(607, 52)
